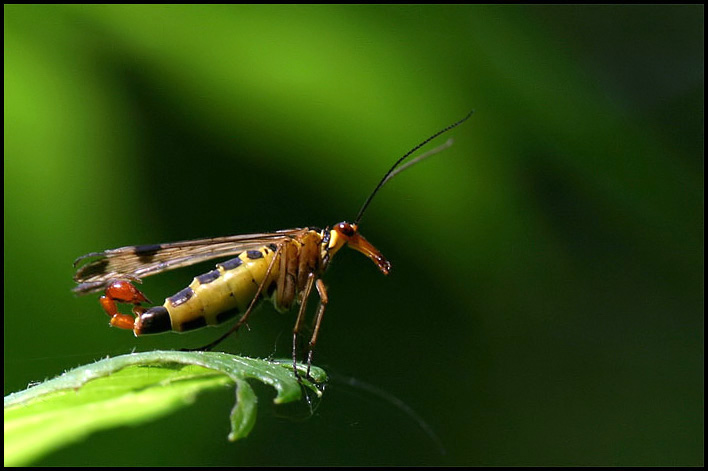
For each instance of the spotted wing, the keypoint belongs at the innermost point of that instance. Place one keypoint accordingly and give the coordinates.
(138, 261)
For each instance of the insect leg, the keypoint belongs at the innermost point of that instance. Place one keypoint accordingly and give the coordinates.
(300, 317)
(324, 299)
(244, 317)
(122, 291)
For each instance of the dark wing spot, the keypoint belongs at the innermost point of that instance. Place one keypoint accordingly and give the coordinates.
(146, 252)
(92, 269)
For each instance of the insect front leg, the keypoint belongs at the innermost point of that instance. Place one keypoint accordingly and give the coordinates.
(122, 291)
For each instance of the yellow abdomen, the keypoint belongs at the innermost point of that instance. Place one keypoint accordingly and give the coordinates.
(223, 293)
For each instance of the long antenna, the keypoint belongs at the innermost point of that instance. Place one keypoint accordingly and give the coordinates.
(390, 173)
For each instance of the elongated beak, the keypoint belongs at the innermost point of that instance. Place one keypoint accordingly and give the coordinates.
(358, 243)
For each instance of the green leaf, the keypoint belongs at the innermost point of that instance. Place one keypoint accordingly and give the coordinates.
(136, 388)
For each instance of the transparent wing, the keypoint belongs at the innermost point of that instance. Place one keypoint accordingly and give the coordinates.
(96, 269)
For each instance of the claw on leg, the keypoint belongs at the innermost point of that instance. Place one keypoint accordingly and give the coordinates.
(122, 291)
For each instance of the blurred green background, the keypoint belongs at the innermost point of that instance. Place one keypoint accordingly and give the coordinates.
(545, 304)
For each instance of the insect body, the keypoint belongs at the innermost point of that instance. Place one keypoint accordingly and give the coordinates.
(282, 266)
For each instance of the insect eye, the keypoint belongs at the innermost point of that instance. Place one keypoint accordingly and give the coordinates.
(346, 229)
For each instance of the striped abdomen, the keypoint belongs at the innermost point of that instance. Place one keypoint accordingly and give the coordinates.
(214, 297)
